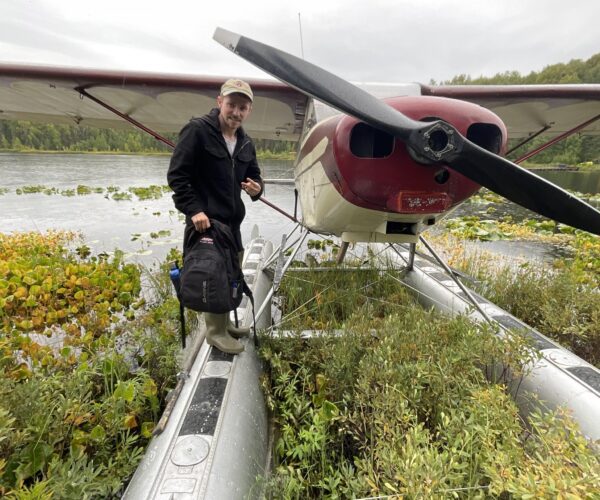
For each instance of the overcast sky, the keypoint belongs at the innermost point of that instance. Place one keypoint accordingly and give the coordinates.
(360, 40)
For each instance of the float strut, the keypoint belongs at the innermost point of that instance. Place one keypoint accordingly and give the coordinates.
(280, 271)
(456, 280)
(412, 249)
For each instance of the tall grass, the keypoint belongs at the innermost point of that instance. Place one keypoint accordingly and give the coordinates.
(561, 300)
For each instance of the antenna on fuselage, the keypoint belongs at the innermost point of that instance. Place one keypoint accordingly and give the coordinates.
(301, 40)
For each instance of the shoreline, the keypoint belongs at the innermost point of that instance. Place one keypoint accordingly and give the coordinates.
(260, 155)
(288, 156)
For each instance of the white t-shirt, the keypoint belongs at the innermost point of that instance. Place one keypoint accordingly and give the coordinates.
(230, 144)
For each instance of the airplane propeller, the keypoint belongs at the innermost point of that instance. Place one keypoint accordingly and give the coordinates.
(432, 142)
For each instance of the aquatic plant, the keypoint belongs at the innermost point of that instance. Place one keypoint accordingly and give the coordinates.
(35, 292)
(83, 190)
(586, 258)
(77, 410)
(486, 196)
(472, 227)
(152, 192)
(160, 234)
(30, 189)
(583, 246)
(119, 196)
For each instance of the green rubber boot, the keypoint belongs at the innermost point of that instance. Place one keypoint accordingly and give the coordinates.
(237, 332)
(218, 336)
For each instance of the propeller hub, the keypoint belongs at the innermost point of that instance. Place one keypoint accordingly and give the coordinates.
(431, 144)
(436, 141)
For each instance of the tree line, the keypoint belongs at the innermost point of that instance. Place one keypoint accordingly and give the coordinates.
(575, 71)
(23, 135)
(18, 135)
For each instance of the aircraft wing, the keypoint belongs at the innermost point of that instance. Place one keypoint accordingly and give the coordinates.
(165, 102)
(162, 102)
(526, 109)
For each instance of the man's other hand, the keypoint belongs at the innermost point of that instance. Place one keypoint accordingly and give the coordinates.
(251, 186)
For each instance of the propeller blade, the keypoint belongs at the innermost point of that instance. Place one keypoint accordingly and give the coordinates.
(432, 142)
(320, 84)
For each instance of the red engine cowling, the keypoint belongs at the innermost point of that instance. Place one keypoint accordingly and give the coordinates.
(374, 171)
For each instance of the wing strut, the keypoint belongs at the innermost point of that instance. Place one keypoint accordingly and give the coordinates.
(164, 140)
(125, 117)
(556, 139)
(528, 139)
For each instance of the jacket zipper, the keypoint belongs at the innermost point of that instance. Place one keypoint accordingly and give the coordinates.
(232, 157)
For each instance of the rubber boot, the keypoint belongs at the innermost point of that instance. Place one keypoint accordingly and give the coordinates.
(217, 335)
(237, 332)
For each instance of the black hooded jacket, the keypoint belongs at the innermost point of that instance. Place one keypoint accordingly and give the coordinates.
(205, 178)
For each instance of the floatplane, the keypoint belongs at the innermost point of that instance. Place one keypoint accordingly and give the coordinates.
(376, 164)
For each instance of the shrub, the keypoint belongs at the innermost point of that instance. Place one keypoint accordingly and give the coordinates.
(399, 405)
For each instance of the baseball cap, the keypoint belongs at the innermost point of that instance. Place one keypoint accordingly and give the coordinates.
(235, 86)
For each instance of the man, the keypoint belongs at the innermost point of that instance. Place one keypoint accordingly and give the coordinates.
(213, 162)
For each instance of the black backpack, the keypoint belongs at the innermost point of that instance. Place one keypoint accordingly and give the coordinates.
(211, 279)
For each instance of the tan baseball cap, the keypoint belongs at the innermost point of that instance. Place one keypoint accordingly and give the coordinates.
(235, 86)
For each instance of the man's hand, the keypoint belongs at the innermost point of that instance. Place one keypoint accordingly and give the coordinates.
(201, 222)
(251, 187)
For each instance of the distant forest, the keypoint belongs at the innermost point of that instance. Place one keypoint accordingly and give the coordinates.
(23, 136)
(28, 136)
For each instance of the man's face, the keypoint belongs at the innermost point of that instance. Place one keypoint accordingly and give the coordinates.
(234, 109)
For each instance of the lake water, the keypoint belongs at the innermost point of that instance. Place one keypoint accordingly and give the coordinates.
(581, 181)
(107, 224)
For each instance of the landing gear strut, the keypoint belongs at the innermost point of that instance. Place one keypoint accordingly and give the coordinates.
(342, 252)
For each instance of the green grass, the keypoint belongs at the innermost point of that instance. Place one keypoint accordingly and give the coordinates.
(560, 299)
(554, 301)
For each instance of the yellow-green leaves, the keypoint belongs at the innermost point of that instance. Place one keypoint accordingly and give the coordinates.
(43, 284)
